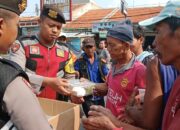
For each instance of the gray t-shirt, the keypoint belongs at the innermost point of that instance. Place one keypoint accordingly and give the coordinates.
(105, 55)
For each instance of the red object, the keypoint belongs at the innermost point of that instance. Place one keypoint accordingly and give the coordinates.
(48, 63)
(171, 117)
(121, 86)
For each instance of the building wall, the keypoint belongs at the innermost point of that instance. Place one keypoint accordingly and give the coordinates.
(80, 1)
(85, 8)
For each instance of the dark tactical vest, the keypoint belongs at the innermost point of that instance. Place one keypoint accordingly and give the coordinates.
(9, 70)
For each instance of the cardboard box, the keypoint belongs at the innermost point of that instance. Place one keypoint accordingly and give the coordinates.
(61, 115)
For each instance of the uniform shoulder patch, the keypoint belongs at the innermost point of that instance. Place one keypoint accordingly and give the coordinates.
(28, 40)
(34, 50)
(15, 47)
(60, 53)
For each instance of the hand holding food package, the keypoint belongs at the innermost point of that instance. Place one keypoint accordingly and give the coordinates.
(81, 87)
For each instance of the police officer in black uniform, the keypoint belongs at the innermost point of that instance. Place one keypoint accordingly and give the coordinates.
(18, 103)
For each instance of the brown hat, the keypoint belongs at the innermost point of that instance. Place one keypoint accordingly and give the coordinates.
(53, 12)
(16, 6)
(88, 42)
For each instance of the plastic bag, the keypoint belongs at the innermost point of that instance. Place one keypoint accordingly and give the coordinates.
(82, 87)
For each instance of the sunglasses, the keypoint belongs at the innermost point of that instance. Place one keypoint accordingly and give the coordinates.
(89, 46)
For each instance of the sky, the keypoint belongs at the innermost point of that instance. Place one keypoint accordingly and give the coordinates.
(30, 11)
(131, 3)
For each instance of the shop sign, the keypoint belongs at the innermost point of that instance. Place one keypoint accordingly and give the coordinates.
(101, 26)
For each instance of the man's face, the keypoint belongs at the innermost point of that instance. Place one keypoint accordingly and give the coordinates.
(89, 50)
(49, 29)
(102, 45)
(137, 44)
(8, 32)
(116, 48)
(167, 43)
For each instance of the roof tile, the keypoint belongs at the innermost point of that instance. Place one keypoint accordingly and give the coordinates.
(135, 14)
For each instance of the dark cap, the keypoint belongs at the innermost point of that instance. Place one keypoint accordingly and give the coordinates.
(88, 42)
(138, 31)
(16, 6)
(123, 31)
(53, 12)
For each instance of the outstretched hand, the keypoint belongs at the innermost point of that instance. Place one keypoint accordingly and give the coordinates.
(60, 85)
(100, 89)
(77, 100)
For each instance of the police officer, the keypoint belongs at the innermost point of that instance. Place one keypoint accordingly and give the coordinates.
(17, 101)
(44, 58)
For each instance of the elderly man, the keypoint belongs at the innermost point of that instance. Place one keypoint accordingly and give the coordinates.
(126, 72)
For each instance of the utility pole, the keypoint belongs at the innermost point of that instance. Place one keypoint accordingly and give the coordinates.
(37, 10)
(124, 8)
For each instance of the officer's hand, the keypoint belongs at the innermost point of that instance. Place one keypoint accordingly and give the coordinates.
(77, 100)
(60, 85)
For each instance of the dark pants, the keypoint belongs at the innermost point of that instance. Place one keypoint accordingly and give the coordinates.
(62, 97)
(88, 102)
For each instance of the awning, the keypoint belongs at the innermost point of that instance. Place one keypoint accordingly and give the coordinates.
(80, 35)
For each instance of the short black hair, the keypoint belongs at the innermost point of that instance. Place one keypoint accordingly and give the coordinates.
(138, 31)
(63, 38)
(173, 22)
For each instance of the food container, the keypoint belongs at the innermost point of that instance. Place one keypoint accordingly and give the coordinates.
(81, 87)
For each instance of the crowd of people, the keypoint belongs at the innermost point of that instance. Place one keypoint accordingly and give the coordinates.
(41, 65)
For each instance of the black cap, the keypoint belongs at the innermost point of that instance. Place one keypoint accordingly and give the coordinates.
(123, 31)
(88, 41)
(138, 31)
(53, 12)
(16, 6)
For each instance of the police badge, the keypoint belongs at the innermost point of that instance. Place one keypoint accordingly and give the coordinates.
(52, 14)
(22, 5)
